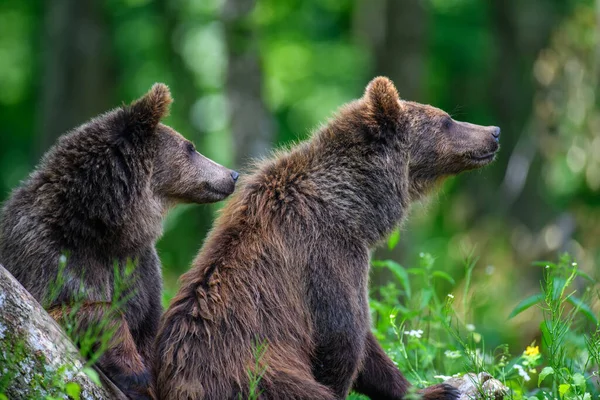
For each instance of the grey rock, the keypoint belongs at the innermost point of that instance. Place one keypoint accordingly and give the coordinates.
(480, 386)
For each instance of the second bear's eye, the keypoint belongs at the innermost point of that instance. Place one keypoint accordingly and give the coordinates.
(447, 123)
(191, 148)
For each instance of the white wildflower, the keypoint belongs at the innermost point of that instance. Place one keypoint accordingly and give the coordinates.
(452, 354)
(414, 333)
(470, 327)
(522, 372)
(450, 295)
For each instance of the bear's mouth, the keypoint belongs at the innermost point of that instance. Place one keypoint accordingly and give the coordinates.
(484, 158)
(223, 189)
(221, 193)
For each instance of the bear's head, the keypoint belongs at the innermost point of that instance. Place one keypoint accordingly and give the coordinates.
(437, 146)
(180, 174)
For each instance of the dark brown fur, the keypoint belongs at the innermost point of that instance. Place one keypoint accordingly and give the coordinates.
(100, 195)
(287, 262)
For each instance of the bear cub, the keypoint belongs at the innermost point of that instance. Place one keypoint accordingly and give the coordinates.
(99, 197)
(279, 289)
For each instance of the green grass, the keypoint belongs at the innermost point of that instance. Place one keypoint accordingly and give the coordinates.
(258, 370)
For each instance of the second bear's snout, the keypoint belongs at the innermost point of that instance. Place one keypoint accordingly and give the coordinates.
(496, 133)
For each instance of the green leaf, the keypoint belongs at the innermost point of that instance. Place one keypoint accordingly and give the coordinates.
(558, 284)
(525, 304)
(394, 239)
(426, 298)
(415, 271)
(563, 389)
(545, 372)
(443, 275)
(93, 375)
(585, 276)
(398, 271)
(579, 381)
(543, 264)
(73, 390)
(583, 308)
(3, 397)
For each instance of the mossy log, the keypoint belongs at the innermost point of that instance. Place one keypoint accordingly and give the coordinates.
(37, 359)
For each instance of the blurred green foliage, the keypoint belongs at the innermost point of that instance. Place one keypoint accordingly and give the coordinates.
(530, 67)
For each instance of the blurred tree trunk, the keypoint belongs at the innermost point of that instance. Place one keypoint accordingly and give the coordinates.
(182, 87)
(77, 72)
(597, 66)
(396, 33)
(511, 89)
(251, 124)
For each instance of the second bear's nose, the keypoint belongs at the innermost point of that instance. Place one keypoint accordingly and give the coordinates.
(496, 133)
(235, 175)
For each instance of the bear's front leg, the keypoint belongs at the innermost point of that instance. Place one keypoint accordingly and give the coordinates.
(336, 361)
(340, 326)
(339, 310)
(380, 379)
(144, 309)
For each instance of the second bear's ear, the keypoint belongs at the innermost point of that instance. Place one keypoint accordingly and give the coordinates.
(383, 104)
(145, 113)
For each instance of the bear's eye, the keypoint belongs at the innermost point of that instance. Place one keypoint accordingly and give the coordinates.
(190, 147)
(447, 123)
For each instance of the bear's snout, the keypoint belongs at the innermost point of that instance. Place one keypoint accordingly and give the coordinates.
(476, 145)
(496, 133)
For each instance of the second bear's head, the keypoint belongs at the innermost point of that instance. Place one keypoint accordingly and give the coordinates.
(437, 146)
(179, 172)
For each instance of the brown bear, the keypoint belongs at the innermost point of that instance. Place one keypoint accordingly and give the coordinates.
(99, 196)
(276, 301)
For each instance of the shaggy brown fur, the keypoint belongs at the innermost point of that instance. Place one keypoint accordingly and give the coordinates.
(287, 262)
(100, 195)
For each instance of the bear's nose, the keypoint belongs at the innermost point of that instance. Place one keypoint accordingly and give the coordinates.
(496, 133)
(235, 175)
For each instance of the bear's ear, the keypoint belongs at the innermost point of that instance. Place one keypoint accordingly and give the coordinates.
(383, 104)
(145, 113)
